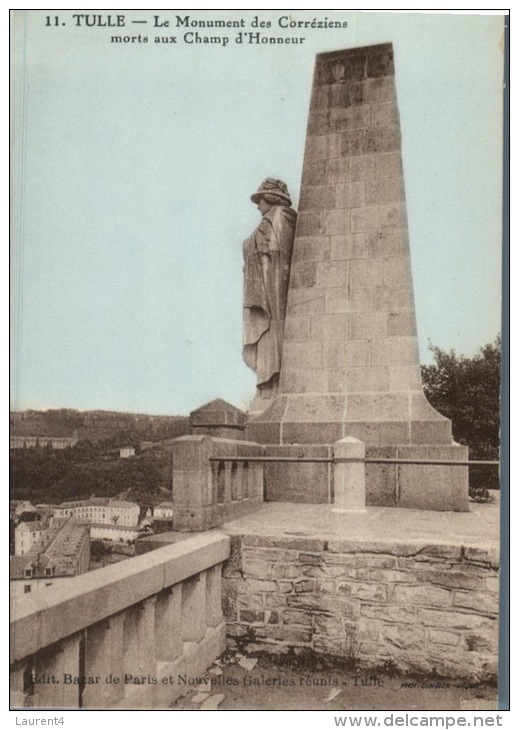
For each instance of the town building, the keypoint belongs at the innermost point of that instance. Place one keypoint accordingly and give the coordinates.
(18, 506)
(56, 442)
(126, 451)
(26, 534)
(115, 533)
(164, 510)
(63, 551)
(101, 510)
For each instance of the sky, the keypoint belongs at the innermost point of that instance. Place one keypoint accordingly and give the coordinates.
(133, 166)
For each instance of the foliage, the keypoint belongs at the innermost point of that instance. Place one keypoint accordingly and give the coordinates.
(98, 549)
(109, 428)
(29, 517)
(46, 475)
(467, 390)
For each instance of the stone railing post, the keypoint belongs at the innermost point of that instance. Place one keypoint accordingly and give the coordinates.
(239, 480)
(146, 631)
(349, 475)
(193, 483)
(51, 688)
(255, 480)
(104, 659)
(213, 602)
(193, 608)
(168, 624)
(228, 482)
(156, 614)
(16, 685)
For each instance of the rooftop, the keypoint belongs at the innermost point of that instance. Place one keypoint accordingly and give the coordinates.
(59, 547)
(97, 502)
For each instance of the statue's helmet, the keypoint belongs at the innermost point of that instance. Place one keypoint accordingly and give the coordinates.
(273, 191)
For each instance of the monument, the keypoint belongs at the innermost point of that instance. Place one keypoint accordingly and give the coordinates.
(349, 363)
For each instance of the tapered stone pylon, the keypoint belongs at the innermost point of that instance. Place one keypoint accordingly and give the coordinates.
(350, 364)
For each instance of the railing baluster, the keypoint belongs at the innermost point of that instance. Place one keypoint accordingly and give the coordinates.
(104, 659)
(213, 596)
(168, 624)
(193, 608)
(53, 670)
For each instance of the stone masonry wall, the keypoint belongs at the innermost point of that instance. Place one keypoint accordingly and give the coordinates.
(413, 607)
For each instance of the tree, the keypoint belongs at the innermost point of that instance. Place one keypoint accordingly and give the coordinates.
(467, 390)
(29, 517)
(98, 549)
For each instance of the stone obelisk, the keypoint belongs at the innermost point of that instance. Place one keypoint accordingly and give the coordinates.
(350, 364)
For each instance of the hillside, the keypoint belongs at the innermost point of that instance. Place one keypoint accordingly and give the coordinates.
(120, 429)
(52, 476)
(93, 466)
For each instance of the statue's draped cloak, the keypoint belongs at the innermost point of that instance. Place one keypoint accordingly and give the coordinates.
(267, 255)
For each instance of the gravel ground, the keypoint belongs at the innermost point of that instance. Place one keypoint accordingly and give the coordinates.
(237, 682)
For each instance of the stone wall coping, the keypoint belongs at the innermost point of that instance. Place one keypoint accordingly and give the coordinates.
(44, 618)
(476, 531)
(218, 440)
(427, 547)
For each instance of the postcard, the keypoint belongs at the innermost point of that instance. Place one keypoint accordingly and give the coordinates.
(256, 316)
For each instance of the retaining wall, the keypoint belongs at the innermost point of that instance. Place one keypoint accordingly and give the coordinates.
(412, 607)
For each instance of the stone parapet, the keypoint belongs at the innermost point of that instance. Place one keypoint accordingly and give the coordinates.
(114, 637)
(303, 482)
(414, 486)
(213, 482)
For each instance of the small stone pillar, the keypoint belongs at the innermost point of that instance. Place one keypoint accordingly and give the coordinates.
(168, 626)
(213, 598)
(16, 685)
(349, 475)
(194, 608)
(146, 631)
(104, 658)
(51, 668)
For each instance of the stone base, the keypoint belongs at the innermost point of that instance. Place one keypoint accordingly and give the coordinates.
(414, 486)
(292, 482)
(418, 486)
(375, 418)
(259, 406)
(393, 425)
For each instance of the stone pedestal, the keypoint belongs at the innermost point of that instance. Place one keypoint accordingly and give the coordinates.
(350, 363)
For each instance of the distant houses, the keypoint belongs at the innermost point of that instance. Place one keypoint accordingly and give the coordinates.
(55, 442)
(114, 533)
(61, 551)
(101, 511)
(45, 551)
(19, 506)
(164, 510)
(126, 451)
(26, 534)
